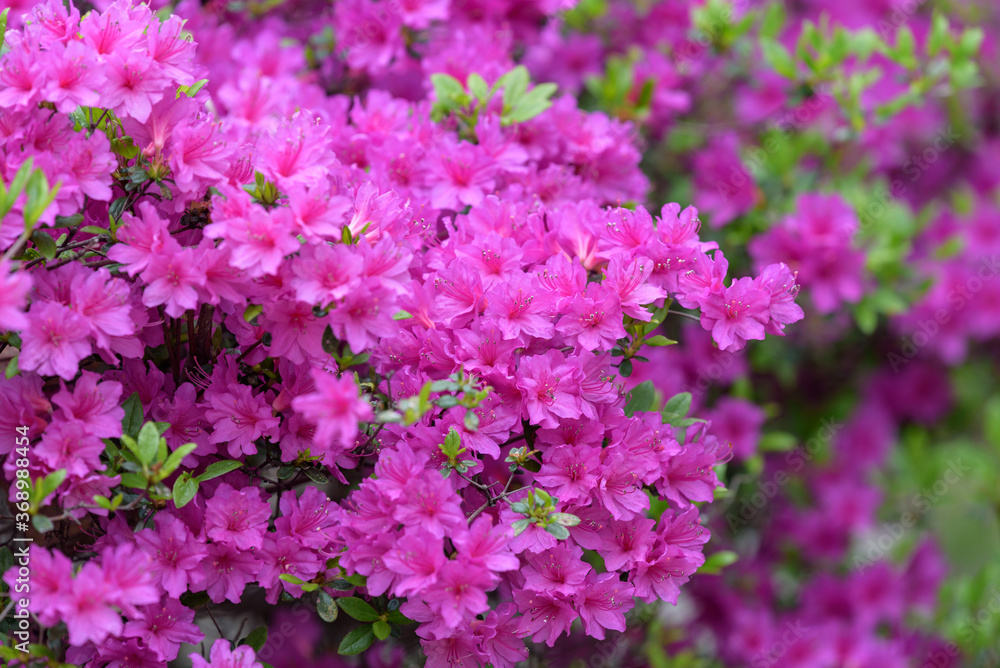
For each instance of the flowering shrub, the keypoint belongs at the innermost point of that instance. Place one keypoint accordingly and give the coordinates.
(429, 304)
(366, 312)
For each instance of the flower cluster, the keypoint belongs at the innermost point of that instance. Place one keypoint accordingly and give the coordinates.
(231, 283)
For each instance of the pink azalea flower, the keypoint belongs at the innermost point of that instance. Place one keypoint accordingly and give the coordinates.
(560, 570)
(428, 501)
(222, 656)
(133, 84)
(88, 614)
(55, 340)
(226, 571)
(336, 408)
(163, 627)
(460, 592)
(69, 445)
(285, 555)
(94, 403)
(417, 558)
(602, 602)
(545, 615)
(173, 278)
(593, 320)
(736, 314)
(239, 417)
(14, 288)
(549, 386)
(237, 517)
(174, 553)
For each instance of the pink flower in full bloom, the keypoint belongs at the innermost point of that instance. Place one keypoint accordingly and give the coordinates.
(336, 407)
(221, 656)
(736, 314)
(14, 288)
(55, 341)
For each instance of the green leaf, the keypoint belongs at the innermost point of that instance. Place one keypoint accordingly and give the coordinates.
(777, 441)
(641, 398)
(452, 445)
(11, 194)
(138, 481)
(558, 530)
(94, 229)
(625, 368)
(519, 526)
(44, 244)
(215, 469)
(471, 420)
(402, 315)
(866, 316)
(449, 91)
(905, 47)
(396, 617)
(565, 519)
(42, 523)
(291, 579)
(39, 197)
(256, 639)
(315, 475)
(514, 84)
(252, 311)
(677, 406)
(357, 579)
(103, 502)
(185, 488)
(357, 641)
(991, 421)
(193, 89)
(381, 629)
(175, 458)
(778, 57)
(11, 369)
(773, 21)
(358, 609)
(716, 562)
(326, 607)
(969, 42)
(658, 341)
(939, 37)
(51, 482)
(3, 25)
(133, 415)
(147, 443)
(194, 599)
(531, 104)
(477, 86)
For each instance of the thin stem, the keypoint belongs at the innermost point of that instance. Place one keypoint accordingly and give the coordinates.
(250, 349)
(686, 315)
(208, 608)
